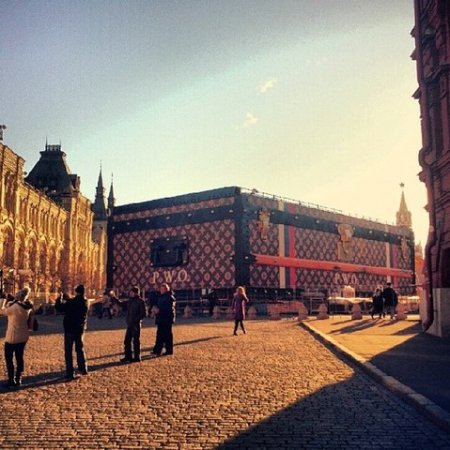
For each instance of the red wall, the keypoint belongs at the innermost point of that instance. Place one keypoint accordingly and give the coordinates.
(432, 54)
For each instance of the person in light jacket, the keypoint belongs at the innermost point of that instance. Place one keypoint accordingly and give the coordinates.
(17, 333)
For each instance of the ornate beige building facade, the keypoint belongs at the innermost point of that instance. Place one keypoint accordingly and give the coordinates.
(50, 236)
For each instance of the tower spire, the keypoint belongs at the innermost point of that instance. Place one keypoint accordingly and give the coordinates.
(111, 199)
(99, 207)
(403, 214)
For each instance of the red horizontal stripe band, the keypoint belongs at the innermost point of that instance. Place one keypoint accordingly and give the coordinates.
(284, 261)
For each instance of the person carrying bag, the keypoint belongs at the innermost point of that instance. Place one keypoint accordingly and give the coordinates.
(17, 312)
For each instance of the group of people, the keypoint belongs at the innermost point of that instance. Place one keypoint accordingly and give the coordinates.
(384, 301)
(19, 310)
(163, 309)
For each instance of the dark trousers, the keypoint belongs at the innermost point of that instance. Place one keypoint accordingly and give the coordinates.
(133, 335)
(69, 340)
(238, 322)
(16, 350)
(164, 338)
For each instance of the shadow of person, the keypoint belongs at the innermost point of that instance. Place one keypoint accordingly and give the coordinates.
(44, 379)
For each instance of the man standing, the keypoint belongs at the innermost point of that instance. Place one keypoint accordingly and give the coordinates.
(75, 316)
(165, 315)
(390, 299)
(135, 314)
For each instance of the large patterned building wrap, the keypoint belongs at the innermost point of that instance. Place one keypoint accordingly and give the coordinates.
(49, 236)
(232, 236)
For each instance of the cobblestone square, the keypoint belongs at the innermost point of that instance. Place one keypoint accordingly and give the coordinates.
(274, 388)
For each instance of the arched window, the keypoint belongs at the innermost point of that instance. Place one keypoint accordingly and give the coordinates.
(9, 192)
(43, 258)
(32, 249)
(8, 248)
(21, 254)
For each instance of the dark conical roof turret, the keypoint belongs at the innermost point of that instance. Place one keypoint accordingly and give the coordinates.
(99, 207)
(111, 199)
(52, 175)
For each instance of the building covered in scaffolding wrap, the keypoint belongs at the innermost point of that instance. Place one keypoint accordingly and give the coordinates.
(277, 248)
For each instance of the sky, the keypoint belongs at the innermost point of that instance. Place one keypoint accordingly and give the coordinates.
(309, 100)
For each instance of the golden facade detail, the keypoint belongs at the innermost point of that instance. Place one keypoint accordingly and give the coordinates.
(45, 243)
(264, 223)
(345, 244)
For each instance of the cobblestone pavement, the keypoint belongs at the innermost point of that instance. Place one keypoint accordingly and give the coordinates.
(274, 388)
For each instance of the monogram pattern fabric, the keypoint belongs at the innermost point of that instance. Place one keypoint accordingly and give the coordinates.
(211, 247)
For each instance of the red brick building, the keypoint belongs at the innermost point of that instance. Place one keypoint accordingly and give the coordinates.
(432, 54)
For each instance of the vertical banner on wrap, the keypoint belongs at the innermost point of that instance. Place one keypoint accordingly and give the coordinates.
(388, 257)
(291, 276)
(286, 247)
(281, 247)
(393, 261)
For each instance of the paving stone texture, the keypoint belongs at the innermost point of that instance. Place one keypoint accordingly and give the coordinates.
(276, 387)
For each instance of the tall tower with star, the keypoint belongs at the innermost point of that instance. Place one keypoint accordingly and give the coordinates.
(403, 216)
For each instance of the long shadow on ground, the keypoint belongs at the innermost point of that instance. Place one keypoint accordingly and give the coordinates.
(342, 416)
(422, 363)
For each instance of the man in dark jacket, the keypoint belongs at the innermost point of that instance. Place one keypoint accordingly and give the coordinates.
(75, 316)
(134, 315)
(390, 299)
(165, 315)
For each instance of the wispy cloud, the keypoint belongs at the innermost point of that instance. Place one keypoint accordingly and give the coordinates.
(250, 120)
(267, 85)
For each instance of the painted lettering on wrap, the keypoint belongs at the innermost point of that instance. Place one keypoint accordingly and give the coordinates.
(169, 276)
(346, 278)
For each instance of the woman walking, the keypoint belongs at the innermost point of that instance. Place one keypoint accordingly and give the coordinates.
(240, 301)
(377, 303)
(17, 333)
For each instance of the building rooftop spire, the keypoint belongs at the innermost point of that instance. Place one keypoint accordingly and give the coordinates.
(111, 199)
(99, 206)
(52, 175)
(403, 215)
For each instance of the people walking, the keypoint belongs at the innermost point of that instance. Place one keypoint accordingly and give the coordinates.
(377, 303)
(134, 315)
(18, 312)
(164, 312)
(390, 299)
(238, 306)
(75, 317)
